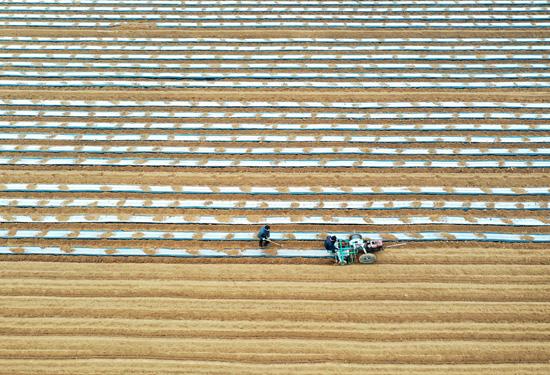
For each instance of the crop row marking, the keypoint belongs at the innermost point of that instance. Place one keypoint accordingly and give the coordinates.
(251, 236)
(283, 2)
(271, 9)
(205, 83)
(285, 17)
(260, 66)
(270, 205)
(272, 138)
(209, 163)
(14, 148)
(179, 252)
(256, 126)
(262, 104)
(265, 76)
(268, 25)
(276, 115)
(275, 57)
(256, 75)
(270, 48)
(244, 220)
(292, 190)
(312, 17)
(339, 41)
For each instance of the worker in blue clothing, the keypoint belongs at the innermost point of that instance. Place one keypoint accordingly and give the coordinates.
(330, 243)
(341, 256)
(263, 236)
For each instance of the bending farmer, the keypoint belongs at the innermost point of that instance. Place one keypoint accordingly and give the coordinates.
(263, 236)
(330, 243)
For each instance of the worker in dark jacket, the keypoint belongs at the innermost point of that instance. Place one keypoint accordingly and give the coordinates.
(263, 235)
(330, 243)
(341, 257)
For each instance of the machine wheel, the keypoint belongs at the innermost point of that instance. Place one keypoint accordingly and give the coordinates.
(355, 236)
(367, 258)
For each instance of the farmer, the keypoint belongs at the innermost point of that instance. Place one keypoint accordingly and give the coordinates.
(263, 236)
(330, 243)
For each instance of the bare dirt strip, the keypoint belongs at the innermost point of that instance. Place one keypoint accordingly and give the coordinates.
(91, 318)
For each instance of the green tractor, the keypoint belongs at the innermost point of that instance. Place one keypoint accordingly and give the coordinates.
(357, 250)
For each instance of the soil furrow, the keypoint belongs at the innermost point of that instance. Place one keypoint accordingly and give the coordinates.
(149, 366)
(254, 310)
(281, 291)
(257, 330)
(275, 351)
(383, 272)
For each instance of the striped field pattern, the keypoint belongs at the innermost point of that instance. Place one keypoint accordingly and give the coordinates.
(143, 143)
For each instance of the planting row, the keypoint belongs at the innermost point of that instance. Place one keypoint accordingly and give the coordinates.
(246, 220)
(264, 190)
(204, 18)
(174, 150)
(251, 236)
(271, 76)
(302, 163)
(280, 127)
(378, 205)
(291, 25)
(274, 57)
(272, 9)
(69, 112)
(163, 252)
(270, 66)
(272, 48)
(281, 84)
(222, 138)
(286, 2)
(266, 76)
(263, 104)
(264, 41)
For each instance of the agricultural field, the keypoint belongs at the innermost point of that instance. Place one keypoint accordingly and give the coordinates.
(439, 311)
(143, 143)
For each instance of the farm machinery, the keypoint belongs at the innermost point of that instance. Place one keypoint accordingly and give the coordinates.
(356, 250)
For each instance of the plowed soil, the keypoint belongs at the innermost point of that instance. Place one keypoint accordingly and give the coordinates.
(393, 317)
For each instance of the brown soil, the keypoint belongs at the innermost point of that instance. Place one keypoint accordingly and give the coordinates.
(215, 318)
